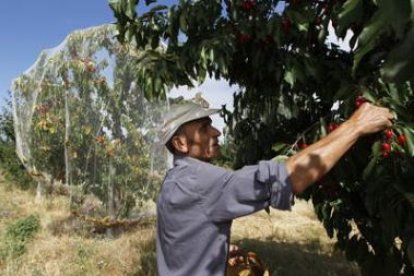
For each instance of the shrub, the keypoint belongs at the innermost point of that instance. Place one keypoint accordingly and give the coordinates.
(9, 162)
(18, 235)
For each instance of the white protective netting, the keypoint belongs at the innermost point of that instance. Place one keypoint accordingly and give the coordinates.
(82, 120)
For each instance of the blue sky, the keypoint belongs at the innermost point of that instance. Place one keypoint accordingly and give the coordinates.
(28, 27)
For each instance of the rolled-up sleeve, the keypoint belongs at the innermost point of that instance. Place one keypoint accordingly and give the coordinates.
(276, 175)
(231, 194)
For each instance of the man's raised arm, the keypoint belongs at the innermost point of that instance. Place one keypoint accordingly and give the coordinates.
(310, 164)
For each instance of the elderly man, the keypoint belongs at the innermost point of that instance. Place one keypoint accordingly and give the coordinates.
(198, 200)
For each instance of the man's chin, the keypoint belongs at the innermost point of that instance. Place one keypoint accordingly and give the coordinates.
(217, 151)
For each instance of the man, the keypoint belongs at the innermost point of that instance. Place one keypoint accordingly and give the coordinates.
(198, 200)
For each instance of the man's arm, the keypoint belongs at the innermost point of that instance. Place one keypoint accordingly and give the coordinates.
(312, 163)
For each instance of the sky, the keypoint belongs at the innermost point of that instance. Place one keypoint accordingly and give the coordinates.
(28, 27)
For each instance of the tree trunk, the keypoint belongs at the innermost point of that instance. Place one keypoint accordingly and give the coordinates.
(111, 198)
(66, 143)
(40, 191)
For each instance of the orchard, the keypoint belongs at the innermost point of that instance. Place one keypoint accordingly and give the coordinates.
(294, 87)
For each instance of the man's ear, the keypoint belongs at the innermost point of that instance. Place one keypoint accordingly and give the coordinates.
(179, 142)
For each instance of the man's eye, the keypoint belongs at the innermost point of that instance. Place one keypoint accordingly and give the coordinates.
(204, 128)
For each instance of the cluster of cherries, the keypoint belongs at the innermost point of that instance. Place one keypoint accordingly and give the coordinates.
(247, 6)
(389, 135)
(386, 146)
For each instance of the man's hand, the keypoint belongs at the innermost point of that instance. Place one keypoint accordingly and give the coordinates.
(312, 163)
(370, 119)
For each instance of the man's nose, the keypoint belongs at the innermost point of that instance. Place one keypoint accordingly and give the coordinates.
(216, 132)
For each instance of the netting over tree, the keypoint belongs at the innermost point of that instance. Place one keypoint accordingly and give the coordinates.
(82, 119)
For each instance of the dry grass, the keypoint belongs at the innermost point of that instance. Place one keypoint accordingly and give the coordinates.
(291, 243)
(132, 253)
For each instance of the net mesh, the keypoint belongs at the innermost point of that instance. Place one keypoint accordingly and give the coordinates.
(82, 120)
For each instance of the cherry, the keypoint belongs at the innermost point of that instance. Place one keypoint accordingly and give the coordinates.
(303, 145)
(385, 154)
(247, 5)
(389, 133)
(244, 38)
(402, 139)
(332, 127)
(286, 25)
(386, 149)
(360, 101)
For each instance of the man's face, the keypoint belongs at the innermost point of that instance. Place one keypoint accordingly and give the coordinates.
(201, 139)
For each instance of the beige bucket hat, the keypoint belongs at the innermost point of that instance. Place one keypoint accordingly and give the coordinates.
(179, 114)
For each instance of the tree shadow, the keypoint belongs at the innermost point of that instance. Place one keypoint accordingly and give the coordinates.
(294, 259)
(147, 263)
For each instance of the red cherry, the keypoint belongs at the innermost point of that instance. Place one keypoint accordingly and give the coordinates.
(332, 127)
(402, 139)
(244, 38)
(360, 101)
(303, 145)
(389, 133)
(247, 5)
(386, 148)
(286, 25)
(385, 154)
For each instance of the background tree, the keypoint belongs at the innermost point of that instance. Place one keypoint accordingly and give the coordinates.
(295, 87)
(9, 162)
(82, 119)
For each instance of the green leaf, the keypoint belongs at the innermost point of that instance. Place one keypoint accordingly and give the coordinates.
(398, 13)
(399, 65)
(376, 149)
(323, 127)
(116, 5)
(410, 141)
(410, 250)
(367, 38)
(131, 9)
(290, 77)
(183, 22)
(280, 158)
(409, 197)
(368, 94)
(299, 20)
(280, 147)
(412, 10)
(389, 13)
(351, 12)
(344, 92)
(368, 169)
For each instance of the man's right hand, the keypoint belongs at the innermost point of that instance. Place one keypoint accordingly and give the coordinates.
(369, 118)
(310, 164)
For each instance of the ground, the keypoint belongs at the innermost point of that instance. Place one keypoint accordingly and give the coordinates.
(290, 243)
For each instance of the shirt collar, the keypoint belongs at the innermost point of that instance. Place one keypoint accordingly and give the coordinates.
(184, 160)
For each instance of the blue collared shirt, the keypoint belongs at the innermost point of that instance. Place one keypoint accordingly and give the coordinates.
(197, 204)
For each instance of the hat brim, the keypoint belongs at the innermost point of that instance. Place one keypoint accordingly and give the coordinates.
(185, 118)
